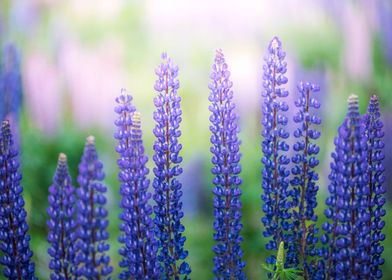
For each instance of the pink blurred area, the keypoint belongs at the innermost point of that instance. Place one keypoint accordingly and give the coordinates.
(93, 78)
(82, 82)
(43, 91)
(357, 40)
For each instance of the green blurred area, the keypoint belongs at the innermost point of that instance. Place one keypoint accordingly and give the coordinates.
(313, 46)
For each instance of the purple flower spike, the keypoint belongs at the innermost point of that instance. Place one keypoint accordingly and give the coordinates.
(168, 190)
(305, 178)
(226, 169)
(137, 228)
(347, 232)
(14, 238)
(275, 184)
(61, 223)
(92, 258)
(374, 131)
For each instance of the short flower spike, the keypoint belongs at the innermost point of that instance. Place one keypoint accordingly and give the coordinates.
(92, 258)
(62, 223)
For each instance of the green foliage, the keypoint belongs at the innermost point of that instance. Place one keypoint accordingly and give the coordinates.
(381, 80)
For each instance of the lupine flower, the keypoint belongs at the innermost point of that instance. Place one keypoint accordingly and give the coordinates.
(139, 247)
(61, 223)
(275, 184)
(10, 83)
(167, 195)
(374, 131)
(305, 177)
(347, 231)
(14, 238)
(92, 258)
(226, 169)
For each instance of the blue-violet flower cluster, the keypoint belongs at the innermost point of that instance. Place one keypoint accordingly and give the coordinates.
(61, 223)
(139, 247)
(275, 183)
(374, 132)
(92, 257)
(14, 238)
(228, 263)
(347, 232)
(168, 189)
(305, 177)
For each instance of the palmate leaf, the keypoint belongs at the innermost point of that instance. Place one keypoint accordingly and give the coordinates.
(269, 267)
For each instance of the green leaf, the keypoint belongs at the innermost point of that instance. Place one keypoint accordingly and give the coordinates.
(291, 274)
(268, 267)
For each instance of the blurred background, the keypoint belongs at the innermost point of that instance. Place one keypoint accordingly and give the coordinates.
(75, 56)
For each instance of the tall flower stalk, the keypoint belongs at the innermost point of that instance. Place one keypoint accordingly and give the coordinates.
(347, 231)
(14, 238)
(275, 183)
(92, 258)
(139, 246)
(305, 177)
(61, 223)
(226, 169)
(375, 156)
(168, 189)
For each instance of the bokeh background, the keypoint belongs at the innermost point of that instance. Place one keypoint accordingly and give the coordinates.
(75, 56)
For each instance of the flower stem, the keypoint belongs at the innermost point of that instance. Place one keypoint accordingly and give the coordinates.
(303, 190)
(167, 178)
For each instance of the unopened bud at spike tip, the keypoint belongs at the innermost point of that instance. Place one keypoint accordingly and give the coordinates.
(275, 43)
(353, 105)
(219, 56)
(62, 157)
(90, 139)
(5, 127)
(280, 255)
(136, 118)
(353, 98)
